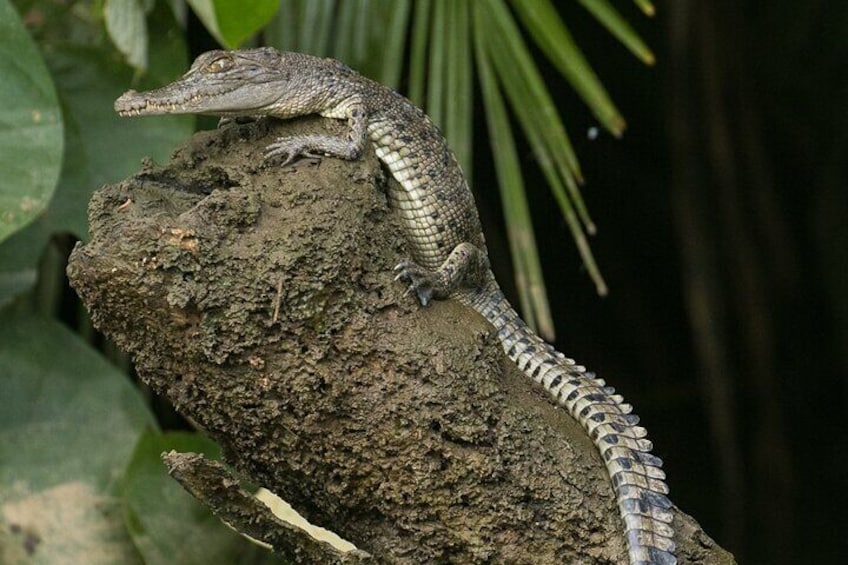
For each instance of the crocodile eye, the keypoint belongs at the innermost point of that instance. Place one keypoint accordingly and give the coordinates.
(219, 65)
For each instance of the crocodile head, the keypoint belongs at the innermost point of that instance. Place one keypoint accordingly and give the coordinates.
(219, 83)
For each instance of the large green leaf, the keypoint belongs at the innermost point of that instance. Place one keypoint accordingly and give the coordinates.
(231, 22)
(167, 524)
(30, 127)
(127, 27)
(67, 426)
(89, 80)
(100, 146)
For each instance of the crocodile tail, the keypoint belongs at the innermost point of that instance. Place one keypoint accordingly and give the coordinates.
(636, 474)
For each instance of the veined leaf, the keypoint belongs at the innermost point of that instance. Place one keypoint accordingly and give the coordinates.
(127, 26)
(100, 146)
(30, 127)
(231, 22)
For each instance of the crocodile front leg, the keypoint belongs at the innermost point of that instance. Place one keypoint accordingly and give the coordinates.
(349, 147)
(465, 267)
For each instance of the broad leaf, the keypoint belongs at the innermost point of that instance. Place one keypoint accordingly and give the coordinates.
(231, 22)
(101, 147)
(30, 127)
(67, 427)
(127, 27)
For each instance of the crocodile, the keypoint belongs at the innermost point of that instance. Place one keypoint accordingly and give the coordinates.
(445, 239)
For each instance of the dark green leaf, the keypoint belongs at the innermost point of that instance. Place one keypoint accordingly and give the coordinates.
(540, 121)
(30, 127)
(231, 22)
(100, 147)
(168, 525)
(418, 53)
(127, 27)
(550, 34)
(618, 26)
(519, 223)
(67, 427)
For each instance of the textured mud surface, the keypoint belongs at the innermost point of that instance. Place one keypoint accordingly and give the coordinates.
(260, 300)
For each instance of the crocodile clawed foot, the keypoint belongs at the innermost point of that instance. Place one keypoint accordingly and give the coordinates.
(284, 154)
(421, 281)
(288, 151)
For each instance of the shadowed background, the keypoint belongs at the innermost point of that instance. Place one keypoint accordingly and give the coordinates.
(723, 235)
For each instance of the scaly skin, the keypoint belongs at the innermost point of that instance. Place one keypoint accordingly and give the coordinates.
(443, 230)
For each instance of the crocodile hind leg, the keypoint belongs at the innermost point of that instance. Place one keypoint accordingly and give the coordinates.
(465, 267)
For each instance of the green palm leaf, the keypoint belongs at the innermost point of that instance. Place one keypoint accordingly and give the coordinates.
(618, 26)
(519, 224)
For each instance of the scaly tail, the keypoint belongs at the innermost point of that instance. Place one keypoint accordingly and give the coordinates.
(636, 474)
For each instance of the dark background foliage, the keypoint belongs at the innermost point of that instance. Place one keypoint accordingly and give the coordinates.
(723, 235)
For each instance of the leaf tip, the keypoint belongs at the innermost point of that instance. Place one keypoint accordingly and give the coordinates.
(601, 287)
(617, 126)
(579, 178)
(648, 9)
(648, 58)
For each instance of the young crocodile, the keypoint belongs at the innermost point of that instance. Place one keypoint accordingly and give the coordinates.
(440, 222)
